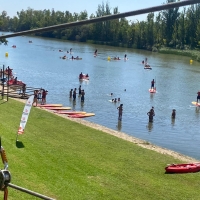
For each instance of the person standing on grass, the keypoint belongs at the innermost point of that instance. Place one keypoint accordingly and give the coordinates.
(35, 100)
(120, 108)
(23, 89)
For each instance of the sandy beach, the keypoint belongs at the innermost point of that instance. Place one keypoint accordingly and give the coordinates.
(124, 136)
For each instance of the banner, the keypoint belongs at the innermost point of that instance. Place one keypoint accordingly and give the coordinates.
(25, 114)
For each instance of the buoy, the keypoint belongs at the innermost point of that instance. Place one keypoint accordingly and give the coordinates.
(108, 58)
(6, 54)
(191, 61)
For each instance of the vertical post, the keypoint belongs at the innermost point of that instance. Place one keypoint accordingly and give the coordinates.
(8, 82)
(3, 82)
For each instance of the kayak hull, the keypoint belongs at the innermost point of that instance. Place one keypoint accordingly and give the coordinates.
(183, 168)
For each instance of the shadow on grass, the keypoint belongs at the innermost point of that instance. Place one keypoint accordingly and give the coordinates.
(19, 144)
(3, 101)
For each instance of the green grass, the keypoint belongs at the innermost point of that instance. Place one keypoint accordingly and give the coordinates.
(193, 54)
(66, 160)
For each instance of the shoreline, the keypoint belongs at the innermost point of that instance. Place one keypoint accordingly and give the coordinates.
(124, 136)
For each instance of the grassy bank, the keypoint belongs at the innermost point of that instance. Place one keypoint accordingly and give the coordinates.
(66, 160)
(192, 54)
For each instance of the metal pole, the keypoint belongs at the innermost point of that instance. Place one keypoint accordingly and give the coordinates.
(29, 192)
(8, 82)
(105, 18)
(3, 83)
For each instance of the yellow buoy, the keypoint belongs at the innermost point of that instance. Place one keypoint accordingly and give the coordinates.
(191, 61)
(6, 54)
(108, 58)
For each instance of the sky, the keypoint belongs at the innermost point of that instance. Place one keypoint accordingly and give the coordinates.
(12, 7)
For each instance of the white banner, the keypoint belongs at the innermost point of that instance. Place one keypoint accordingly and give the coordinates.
(25, 114)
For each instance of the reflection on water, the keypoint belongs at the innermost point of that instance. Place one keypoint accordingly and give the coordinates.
(197, 111)
(82, 106)
(119, 125)
(73, 104)
(150, 126)
(173, 121)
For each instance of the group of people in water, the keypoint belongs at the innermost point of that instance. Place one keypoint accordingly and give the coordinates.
(73, 93)
(151, 114)
(40, 95)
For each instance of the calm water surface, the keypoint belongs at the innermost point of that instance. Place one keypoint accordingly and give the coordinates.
(39, 65)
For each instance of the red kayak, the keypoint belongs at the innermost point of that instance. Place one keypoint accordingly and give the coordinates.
(183, 168)
(81, 115)
(56, 108)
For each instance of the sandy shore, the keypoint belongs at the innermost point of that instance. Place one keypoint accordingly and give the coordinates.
(125, 136)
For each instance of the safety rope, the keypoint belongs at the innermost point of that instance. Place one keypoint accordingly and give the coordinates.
(5, 193)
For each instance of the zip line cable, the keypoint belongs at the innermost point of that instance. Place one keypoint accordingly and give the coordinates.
(104, 18)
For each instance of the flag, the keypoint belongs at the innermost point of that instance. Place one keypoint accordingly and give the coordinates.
(25, 114)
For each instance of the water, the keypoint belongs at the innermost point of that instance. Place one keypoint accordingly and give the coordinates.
(38, 64)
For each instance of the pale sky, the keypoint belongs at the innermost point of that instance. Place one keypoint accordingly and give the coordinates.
(11, 6)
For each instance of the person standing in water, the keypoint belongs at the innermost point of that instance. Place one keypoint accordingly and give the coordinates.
(70, 93)
(151, 114)
(120, 108)
(82, 96)
(79, 90)
(173, 113)
(74, 94)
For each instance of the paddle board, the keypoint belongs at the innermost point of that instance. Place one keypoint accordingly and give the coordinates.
(57, 108)
(70, 112)
(152, 90)
(82, 115)
(149, 68)
(195, 103)
(50, 105)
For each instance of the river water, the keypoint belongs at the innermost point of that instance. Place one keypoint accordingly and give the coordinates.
(38, 64)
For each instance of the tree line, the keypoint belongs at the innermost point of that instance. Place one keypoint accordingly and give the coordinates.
(175, 28)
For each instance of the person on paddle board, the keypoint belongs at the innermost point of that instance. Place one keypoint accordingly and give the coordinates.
(152, 84)
(198, 96)
(120, 108)
(146, 61)
(151, 114)
(95, 53)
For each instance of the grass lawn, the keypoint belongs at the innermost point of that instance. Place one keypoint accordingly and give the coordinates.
(66, 160)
